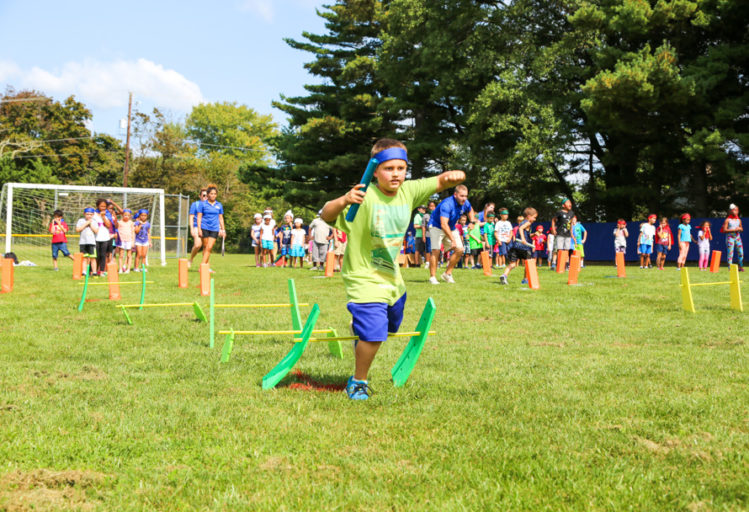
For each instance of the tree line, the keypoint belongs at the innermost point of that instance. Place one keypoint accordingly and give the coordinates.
(624, 106)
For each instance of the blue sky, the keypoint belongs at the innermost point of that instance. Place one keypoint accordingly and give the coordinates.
(171, 54)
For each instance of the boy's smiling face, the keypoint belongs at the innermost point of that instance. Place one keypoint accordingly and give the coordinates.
(390, 176)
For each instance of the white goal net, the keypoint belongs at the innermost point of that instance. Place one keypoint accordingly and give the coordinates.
(26, 210)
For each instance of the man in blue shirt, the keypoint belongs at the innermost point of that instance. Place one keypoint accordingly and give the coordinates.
(197, 243)
(442, 231)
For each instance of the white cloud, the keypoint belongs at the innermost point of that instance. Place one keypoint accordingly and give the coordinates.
(263, 8)
(106, 84)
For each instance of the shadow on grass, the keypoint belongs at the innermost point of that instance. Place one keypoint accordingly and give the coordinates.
(300, 381)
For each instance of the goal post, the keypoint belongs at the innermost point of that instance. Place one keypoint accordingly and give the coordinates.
(26, 210)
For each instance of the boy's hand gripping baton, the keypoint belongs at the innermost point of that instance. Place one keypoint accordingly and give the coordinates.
(365, 180)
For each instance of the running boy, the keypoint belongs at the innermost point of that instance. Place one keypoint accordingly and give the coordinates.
(58, 227)
(374, 285)
(522, 247)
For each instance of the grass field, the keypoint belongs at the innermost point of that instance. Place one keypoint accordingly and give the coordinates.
(605, 396)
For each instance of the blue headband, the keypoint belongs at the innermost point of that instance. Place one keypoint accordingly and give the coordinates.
(89, 210)
(142, 211)
(391, 154)
(127, 210)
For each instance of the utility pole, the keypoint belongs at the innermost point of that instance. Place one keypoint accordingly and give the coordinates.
(127, 140)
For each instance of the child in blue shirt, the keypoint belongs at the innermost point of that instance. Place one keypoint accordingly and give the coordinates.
(579, 237)
(685, 238)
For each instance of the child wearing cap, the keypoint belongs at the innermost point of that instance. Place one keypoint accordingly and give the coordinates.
(685, 238)
(664, 239)
(579, 237)
(255, 235)
(283, 237)
(371, 275)
(645, 241)
(58, 227)
(298, 236)
(733, 228)
(620, 237)
(504, 235)
(87, 228)
(142, 239)
(126, 229)
(266, 240)
(539, 242)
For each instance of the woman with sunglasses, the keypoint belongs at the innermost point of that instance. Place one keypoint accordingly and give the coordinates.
(197, 243)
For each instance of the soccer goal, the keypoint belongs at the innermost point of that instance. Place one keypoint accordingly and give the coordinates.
(26, 210)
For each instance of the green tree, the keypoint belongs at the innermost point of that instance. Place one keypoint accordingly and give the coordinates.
(37, 132)
(325, 147)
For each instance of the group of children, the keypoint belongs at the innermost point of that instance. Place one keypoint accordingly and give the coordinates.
(104, 231)
(292, 243)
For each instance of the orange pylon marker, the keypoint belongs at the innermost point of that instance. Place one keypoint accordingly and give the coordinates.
(621, 270)
(77, 265)
(715, 262)
(329, 264)
(531, 274)
(114, 281)
(562, 261)
(182, 273)
(486, 263)
(6, 279)
(574, 269)
(205, 279)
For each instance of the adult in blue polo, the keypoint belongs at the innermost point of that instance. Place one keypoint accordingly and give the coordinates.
(442, 231)
(210, 221)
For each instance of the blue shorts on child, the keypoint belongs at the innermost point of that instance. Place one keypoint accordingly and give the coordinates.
(372, 321)
(646, 249)
(660, 248)
(60, 246)
(297, 251)
(267, 244)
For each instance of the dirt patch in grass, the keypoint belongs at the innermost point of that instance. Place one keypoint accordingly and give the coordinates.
(87, 373)
(43, 489)
(547, 344)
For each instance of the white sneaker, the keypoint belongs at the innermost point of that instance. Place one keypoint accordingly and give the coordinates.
(433, 280)
(426, 265)
(448, 278)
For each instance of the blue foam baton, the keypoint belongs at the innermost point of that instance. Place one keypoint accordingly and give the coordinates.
(366, 179)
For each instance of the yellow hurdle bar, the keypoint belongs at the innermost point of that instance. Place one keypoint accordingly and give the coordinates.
(120, 283)
(356, 338)
(154, 305)
(270, 333)
(256, 306)
(710, 284)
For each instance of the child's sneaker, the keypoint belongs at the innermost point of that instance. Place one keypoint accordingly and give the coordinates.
(433, 280)
(56, 269)
(448, 278)
(524, 281)
(503, 279)
(357, 389)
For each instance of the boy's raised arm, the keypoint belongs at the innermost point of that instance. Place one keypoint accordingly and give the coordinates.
(334, 207)
(449, 179)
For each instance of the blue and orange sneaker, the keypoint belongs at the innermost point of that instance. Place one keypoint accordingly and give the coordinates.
(357, 389)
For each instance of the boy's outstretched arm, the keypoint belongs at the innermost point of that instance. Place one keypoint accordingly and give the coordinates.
(449, 179)
(334, 207)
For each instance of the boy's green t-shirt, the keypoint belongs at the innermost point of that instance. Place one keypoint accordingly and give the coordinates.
(418, 219)
(489, 232)
(473, 235)
(370, 265)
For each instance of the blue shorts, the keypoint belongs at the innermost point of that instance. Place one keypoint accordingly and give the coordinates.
(297, 251)
(660, 248)
(429, 245)
(646, 249)
(285, 250)
(267, 244)
(374, 320)
(539, 254)
(503, 246)
(61, 246)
